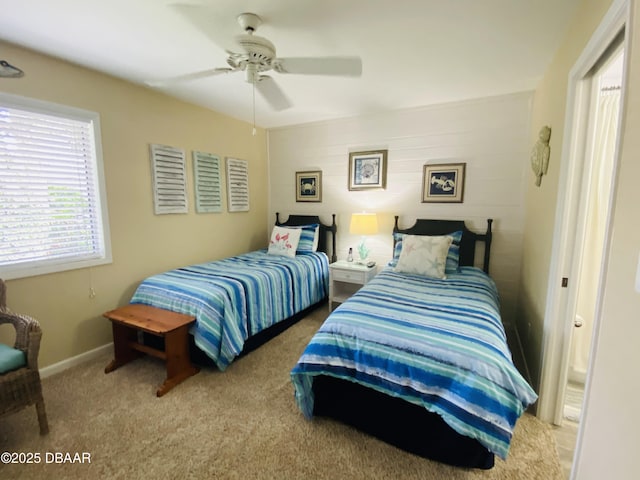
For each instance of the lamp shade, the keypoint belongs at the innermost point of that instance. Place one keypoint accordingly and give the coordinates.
(364, 224)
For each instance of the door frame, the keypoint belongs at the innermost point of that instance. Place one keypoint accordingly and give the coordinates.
(565, 258)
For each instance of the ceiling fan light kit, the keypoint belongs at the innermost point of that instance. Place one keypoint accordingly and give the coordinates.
(258, 55)
(251, 73)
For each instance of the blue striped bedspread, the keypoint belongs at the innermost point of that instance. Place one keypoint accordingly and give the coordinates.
(237, 297)
(436, 343)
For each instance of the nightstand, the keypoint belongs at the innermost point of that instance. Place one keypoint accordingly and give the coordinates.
(346, 278)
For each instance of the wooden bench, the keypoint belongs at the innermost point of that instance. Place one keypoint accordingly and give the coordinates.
(173, 327)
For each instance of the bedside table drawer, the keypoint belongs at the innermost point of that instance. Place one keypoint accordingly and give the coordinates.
(347, 276)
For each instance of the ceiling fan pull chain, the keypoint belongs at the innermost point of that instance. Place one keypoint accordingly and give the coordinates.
(256, 57)
(253, 88)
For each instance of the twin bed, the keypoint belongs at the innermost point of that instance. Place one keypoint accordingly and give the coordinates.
(417, 361)
(242, 301)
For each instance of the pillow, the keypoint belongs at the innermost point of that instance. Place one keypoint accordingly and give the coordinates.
(284, 241)
(308, 238)
(11, 358)
(453, 256)
(397, 248)
(424, 255)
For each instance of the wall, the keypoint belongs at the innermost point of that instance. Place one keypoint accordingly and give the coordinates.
(548, 109)
(609, 434)
(132, 117)
(490, 135)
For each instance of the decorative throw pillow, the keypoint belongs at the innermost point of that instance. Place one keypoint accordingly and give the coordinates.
(453, 256)
(424, 255)
(284, 241)
(308, 238)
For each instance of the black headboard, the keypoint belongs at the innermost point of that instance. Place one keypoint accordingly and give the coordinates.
(298, 220)
(444, 227)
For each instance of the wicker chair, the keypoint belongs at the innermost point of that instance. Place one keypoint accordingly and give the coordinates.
(21, 387)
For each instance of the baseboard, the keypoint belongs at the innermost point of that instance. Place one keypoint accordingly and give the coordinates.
(73, 361)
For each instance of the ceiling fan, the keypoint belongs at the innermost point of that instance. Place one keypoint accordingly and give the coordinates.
(258, 55)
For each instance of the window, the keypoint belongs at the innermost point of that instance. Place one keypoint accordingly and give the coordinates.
(53, 209)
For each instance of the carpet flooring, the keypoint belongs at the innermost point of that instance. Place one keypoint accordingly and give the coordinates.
(239, 424)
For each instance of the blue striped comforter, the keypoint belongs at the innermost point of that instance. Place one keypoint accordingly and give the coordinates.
(435, 343)
(235, 298)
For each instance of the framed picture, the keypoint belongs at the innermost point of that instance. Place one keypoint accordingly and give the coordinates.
(309, 186)
(367, 170)
(443, 183)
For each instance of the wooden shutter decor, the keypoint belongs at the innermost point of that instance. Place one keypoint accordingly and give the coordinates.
(238, 185)
(169, 179)
(208, 182)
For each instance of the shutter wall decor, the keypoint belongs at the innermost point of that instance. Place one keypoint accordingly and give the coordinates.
(238, 185)
(208, 184)
(169, 179)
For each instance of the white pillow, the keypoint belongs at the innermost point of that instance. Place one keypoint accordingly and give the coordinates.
(284, 241)
(424, 255)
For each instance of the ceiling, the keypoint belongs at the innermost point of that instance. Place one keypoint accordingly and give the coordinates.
(414, 52)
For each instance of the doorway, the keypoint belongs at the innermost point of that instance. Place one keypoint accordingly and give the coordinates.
(601, 141)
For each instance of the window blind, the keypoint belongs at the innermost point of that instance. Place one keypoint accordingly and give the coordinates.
(50, 203)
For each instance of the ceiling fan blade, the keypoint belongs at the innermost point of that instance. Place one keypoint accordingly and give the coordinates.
(272, 93)
(341, 66)
(188, 77)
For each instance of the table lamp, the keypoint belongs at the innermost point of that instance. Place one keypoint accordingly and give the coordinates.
(363, 224)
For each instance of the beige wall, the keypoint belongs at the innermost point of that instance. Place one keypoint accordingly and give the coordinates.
(548, 109)
(132, 117)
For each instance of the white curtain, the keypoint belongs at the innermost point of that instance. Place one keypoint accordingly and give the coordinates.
(606, 127)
